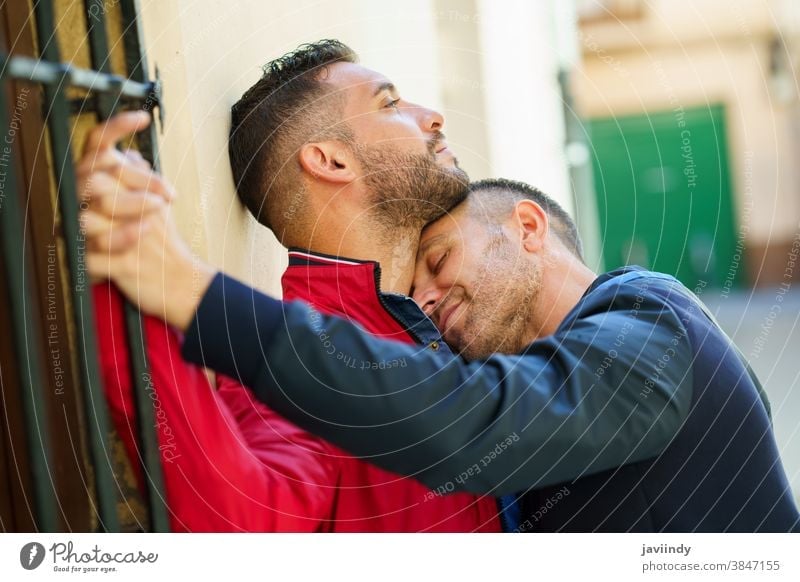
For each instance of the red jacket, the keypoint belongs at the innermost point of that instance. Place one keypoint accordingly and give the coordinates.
(231, 464)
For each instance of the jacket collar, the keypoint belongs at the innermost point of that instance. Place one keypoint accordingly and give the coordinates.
(304, 258)
(351, 287)
(330, 282)
(606, 277)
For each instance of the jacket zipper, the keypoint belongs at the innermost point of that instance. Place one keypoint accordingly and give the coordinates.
(377, 274)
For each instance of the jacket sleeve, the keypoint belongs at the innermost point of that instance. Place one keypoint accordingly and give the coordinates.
(229, 464)
(610, 388)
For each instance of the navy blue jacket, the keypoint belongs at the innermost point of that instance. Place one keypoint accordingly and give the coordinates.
(637, 414)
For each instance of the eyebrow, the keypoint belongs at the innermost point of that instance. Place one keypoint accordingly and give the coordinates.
(425, 247)
(385, 86)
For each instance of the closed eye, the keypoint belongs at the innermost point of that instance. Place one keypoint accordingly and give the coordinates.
(440, 263)
(393, 103)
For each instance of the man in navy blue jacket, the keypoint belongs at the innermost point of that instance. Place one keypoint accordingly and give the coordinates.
(619, 404)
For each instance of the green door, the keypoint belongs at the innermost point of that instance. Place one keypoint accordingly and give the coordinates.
(664, 195)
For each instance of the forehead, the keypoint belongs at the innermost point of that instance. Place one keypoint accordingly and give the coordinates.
(453, 226)
(356, 81)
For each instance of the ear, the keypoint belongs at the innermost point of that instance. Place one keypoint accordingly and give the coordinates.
(330, 161)
(533, 225)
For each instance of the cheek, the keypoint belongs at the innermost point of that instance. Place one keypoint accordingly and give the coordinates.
(400, 132)
(485, 264)
(449, 276)
(465, 269)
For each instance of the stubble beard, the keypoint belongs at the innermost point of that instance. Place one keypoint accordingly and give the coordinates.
(500, 311)
(410, 190)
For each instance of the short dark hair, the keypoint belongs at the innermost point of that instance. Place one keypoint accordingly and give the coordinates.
(497, 196)
(272, 120)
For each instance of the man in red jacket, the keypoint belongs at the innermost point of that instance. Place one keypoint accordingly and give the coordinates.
(328, 155)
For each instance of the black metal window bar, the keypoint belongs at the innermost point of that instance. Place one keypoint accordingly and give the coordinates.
(106, 94)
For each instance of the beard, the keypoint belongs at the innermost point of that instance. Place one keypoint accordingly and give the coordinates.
(410, 190)
(498, 313)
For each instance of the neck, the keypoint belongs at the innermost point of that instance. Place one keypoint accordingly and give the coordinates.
(564, 281)
(344, 227)
(395, 249)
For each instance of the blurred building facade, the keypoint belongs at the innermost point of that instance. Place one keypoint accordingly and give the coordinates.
(692, 112)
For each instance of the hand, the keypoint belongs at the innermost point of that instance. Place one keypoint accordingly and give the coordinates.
(126, 219)
(104, 174)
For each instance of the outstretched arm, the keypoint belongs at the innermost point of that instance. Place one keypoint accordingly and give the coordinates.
(591, 397)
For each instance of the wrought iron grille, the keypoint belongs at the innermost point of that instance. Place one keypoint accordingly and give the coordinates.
(33, 496)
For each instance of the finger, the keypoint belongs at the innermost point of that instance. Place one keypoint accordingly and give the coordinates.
(114, 238)
(102, 160)
(136, 178)
(129, 205)
(108, 158)
(116, 252)
(119, 203)
(97, 186)
(132, 171)
(136, 158)
(93, 224)
(107, 195)
(107, 134)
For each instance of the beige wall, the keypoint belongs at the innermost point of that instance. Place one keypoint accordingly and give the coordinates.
(524, 107)
(501, 93)
(463, 84)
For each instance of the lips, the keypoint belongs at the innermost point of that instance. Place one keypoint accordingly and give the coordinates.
(446, 315)
(438, 144)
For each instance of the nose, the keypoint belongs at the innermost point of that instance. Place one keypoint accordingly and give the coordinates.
(428, 298)
(429, 119)
(432, 120)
